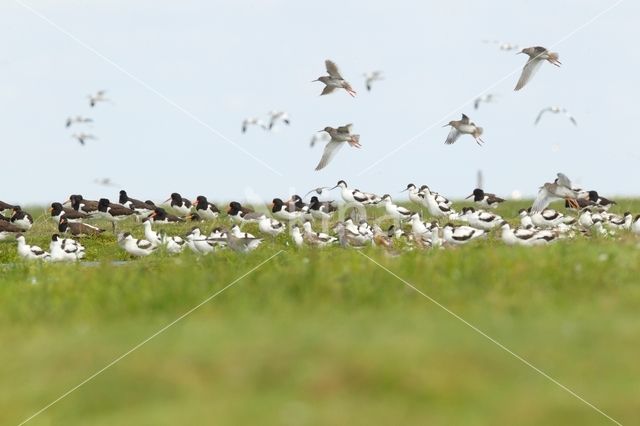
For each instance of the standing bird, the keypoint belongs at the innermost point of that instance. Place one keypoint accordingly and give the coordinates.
(334, 80)
(537, 55)
(140, 207)
(99, 96)
(21, 219)
(558, 190)
(252, 121)
(58, 211)
(556, 109)
(338, 137)
(78, 119)
(370, 77)
(83, 137)
(463, 127)
(204, 208)
(485, 199)
(276, 116)
(178, 203)
(7, 229)
(113, 212)
(486, 98)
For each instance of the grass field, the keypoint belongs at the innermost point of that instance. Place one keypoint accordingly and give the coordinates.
(324, 336)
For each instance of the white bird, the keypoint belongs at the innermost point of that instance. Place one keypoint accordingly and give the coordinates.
(461, 234)
(135, 247)
(549, 218)
(235, 231)
(486, 98)
(635, 227)
(296, 236)
(199, 243)
(317, 239)
(525, 237)
(556, 110)
(370, 77)
(269, 226)
(560, 189)
(83, 137)
(252, 121)
(393, 210)
(30, 252)
(537, 55)
(99, 96)
(436, 208)
(338, 137)
(481, 219)
(78, 119)
(623, 222)
(65, 249)
(319, 137)
(355, 196)
(277, 116)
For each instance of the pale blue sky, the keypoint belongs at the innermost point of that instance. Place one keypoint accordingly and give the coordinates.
(223, 61)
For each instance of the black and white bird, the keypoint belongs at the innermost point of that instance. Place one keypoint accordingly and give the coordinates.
(113, 212)
(240, 214)
(173, 244)
(160, 215)
(278, 116)
(270, 226)
(393, 210)
(78, 203)
(459, 235)
(5, 206)
(560, 189)
(284, 211)
(555, 110)
(78, 119)
(252, 121)
(635, 226)
(322, 210)
(355, 196)
(480, 219)
(29, 252)
(99, 96)
(141, 208)
(537, 55)
(370, 77)
(316, 239)
(550, 218)
(199, 243)
(58, 211)
(623, 222)
(65, 249)
(435, 207)
(602, 202)
(135, 247)
(82, 138)
(485, 199)
(525, 237)
(179, 204)
(78, 229)
(205, 209)
(21, 219)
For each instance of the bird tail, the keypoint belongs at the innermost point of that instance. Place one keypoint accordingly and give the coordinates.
(554, 58)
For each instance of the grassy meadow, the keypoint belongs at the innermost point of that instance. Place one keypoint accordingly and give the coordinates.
(316, 337)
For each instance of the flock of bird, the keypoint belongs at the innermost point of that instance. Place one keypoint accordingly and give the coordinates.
(539, 225)
(82, 137)
(335, 137)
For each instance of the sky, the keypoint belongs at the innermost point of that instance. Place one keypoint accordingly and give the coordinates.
(183, 75)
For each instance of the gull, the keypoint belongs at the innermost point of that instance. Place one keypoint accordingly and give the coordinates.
(560, 189)
(370, 77)
(334, 80)
(338, 137)
(82, 137)
(556, 109)
(251, 121)
(78, 119)
(536, 55)
(463, 127)
(276, 116)
(99, 96)
(486, 98)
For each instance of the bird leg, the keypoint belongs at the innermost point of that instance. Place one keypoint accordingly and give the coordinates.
(573, 203)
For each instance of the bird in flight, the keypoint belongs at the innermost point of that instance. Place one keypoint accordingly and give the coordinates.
(78, 119)
(560, 189)
(99, 96)
(536, 55)
(370, 77)
(556, 110)
(486, 98)
(334, 80)
(463, 127)
(83, 137)
(252, 121)
(338, 137)
(276, 116)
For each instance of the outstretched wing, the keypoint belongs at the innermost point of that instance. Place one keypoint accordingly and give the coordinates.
(345, 129)
(542, 111)
(530, 68)
(570, 117)
(454, 134)
(542, 200)
(329, 152)
(327, 90)
(564, 180)
(332, 69)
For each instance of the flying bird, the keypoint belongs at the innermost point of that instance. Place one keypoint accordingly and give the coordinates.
(370, 77)
(276, 116)
(319, 137)
(560, 189)
(556, 109)
(334, 80)
(338, 137)
(536, 55)
(82, 137)
(252, 121)
(105, 182)
(503, 45)
(99, 96)
(486, 98)
(463, 127)
(78, 119)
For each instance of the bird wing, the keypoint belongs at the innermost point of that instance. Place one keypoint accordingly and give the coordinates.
(332, 69)
(530, 68)
(570, 117)
(542, 200)
(453, 136)
(345, 129)
(542, 111)
(564, 180)
(330, 151)
(464, 119)
(368, 83)
(327, 89)
(476, 103)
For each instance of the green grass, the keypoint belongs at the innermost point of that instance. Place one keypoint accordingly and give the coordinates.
(324, 336)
